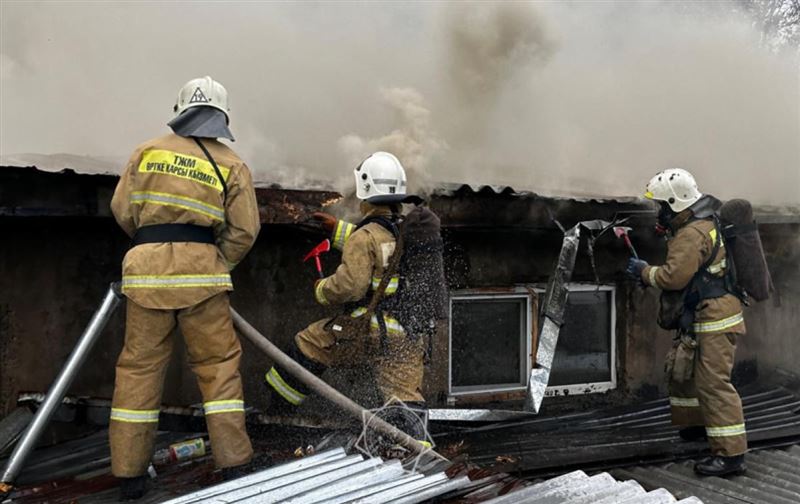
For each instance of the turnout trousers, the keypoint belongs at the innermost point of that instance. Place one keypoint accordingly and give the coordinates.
(709, 398)
(399, 370)
(213, 352)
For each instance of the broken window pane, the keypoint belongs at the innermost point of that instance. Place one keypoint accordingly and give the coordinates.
(583, 353)
(488, 342)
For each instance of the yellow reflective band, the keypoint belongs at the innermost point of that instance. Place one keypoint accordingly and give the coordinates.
(318, 294)
(719, 325)
(648, 195)
(229, 406)
(684, 402)
(651, 276)
(392, 324)
(391, 288)
(183, 166)
(290, 394)
(178, 201)
(424, 443)
(175, 281)
(342, 233)
(716, 268)
(134, 416)
(726, 431)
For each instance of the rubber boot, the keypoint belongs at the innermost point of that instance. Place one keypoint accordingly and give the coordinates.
(694, 433)
(132, 488)
(721, 466)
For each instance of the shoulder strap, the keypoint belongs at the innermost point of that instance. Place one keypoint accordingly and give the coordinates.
(214, 164)
(717, 244)
(394, 264)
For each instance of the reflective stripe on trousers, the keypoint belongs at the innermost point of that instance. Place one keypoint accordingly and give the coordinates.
(718, 325)
(134, 416)
(226, 406)
(178, 201)
(684, 402)
(175, 281)
(726, 431)
(280, 386)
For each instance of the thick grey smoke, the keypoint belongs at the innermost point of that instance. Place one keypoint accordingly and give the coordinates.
(414, 142)
(569, 98)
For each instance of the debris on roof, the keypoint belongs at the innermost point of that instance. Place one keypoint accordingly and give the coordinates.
(603, 439)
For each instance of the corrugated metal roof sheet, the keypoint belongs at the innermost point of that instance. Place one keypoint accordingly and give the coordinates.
(330, 477)
(608, 438)
(772, 477)
(579, 488)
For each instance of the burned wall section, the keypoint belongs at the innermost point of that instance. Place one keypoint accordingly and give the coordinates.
(61, 248)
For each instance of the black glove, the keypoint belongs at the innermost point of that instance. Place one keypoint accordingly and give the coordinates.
(634, 269)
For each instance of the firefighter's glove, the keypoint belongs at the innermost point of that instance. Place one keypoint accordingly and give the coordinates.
(634, 269)
(326, 220)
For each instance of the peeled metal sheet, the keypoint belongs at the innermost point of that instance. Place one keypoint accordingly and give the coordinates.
(300, 465)
(390, 471)
(372, 489)
(298, 485)
(435, 491)
(400, 491)
(553, 309)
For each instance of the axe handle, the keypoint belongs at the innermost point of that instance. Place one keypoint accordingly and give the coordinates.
(630, 245)
(319, 266)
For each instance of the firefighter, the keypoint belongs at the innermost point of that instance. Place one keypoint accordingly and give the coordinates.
(367, 253)
(698, 301)
(187, 202)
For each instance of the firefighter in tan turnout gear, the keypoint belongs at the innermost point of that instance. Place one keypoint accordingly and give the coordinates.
(367, 278)
(188, 203)
(697, 300)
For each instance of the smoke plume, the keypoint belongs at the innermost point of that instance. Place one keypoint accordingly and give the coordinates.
(554, 97)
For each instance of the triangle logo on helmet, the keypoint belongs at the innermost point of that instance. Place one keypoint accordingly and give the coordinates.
(198, 97)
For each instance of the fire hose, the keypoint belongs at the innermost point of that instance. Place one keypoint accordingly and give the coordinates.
(55, 395)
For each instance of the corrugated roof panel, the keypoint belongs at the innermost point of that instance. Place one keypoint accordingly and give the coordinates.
(330, 477)
(771, 478)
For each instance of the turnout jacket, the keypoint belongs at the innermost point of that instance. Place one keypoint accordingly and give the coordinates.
(169, 180)
(687, 251)
(366, 253)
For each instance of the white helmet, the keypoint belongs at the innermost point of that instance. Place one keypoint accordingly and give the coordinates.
(675, 186)
(205, 92)
(381, 179)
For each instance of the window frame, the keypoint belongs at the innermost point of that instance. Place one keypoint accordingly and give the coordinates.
(528, 292)
(592, 387)
(526, 358)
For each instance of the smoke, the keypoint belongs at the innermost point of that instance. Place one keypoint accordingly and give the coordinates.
(487, 46)
(554, 97)
(413, 142)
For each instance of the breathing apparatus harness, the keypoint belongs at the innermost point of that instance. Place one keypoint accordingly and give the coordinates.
(706, 283)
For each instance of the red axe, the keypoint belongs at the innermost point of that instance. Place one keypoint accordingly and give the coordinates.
(324, 246)
(622, 232)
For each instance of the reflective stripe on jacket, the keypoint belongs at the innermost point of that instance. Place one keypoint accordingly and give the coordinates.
(366, 253)
(687, 251)
(168, 180)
